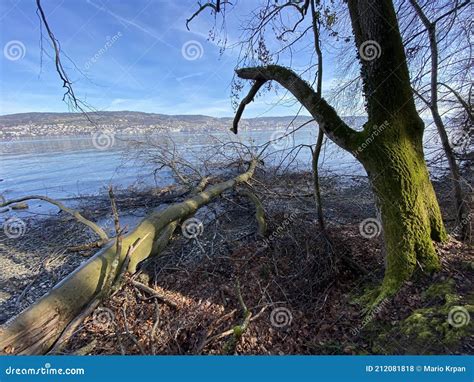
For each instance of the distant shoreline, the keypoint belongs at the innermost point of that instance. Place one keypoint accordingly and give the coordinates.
(128, 123)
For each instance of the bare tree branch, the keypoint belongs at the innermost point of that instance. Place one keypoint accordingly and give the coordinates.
(327, 118)
(93, 226)
(249, 98)
(216, 7)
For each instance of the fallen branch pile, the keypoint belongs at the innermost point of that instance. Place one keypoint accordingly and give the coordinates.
(37, 329)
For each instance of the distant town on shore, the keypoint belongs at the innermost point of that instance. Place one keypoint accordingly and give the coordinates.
(129, 122)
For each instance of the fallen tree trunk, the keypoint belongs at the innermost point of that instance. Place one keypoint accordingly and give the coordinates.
(35, 330)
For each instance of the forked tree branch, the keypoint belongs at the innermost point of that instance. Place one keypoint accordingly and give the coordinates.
(328, 119)
(93, 226)
(216, 7)
(67, 84)
(69, 95)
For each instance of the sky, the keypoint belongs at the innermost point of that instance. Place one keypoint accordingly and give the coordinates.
(126, 55)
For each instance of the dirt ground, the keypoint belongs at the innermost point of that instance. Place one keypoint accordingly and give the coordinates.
(229, 290)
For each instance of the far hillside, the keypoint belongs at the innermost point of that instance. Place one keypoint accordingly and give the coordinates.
(132, 122)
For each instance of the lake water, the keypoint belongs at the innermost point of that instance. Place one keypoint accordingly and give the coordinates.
(66, 168)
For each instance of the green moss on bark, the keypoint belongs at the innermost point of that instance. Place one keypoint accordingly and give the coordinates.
(408, 207)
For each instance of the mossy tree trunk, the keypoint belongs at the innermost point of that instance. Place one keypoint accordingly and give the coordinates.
(389, 146)
(410, 213)
(407, 204)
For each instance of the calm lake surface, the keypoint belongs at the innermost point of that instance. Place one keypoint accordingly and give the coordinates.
(67, 167)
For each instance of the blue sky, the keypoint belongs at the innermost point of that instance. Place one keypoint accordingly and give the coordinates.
(130, 55)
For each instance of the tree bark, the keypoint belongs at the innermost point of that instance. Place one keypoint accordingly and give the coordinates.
(319, 142)
(409, 210)
(317, 189)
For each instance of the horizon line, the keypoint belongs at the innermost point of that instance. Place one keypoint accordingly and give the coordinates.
(155, 113)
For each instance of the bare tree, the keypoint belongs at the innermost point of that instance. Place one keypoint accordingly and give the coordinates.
(392, 156)
(432, 102)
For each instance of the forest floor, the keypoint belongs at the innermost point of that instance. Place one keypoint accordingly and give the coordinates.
(230, 291)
